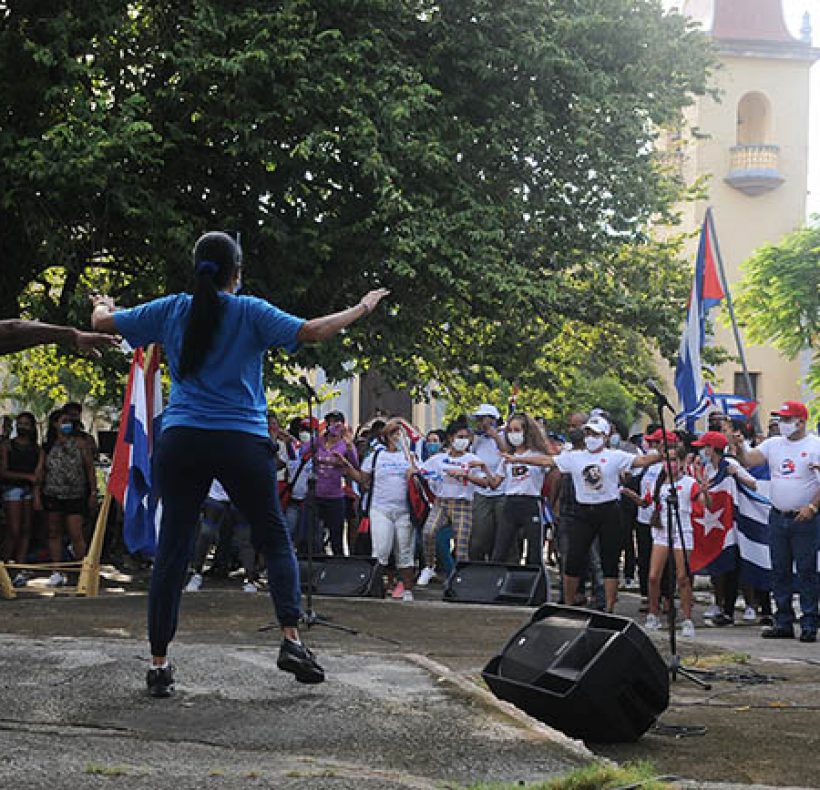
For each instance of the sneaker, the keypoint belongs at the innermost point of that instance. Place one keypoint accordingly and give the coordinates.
(56, 580)
(425, 577)
(631, 584)
(711, 611)
(749, 615)
(20, 580)
(653, 622)
(407, 596)
(720, 620)
(249, 587)
(398, 590)
(296, 658)
(160, 681)
(808, 636)
(687, 629)
(194, 583)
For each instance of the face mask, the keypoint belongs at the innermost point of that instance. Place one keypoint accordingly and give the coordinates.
(304, 437)
(615, 440)
(787, 428)
(335, 429)
(460, 444)
(395, 437)
(516, 438)
(433, 447)
(594, 443)
(704, 456)
(67, 428)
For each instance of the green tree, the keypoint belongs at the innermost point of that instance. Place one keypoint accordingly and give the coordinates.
(779, 297)
(492, 163)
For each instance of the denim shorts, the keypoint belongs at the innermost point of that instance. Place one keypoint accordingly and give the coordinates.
(14, 493)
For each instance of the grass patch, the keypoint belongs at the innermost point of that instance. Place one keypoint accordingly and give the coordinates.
(718, 659)
(98, 769)
(596, 776)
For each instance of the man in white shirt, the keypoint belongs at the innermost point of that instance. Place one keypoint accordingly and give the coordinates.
(488, 506)
(794, 529)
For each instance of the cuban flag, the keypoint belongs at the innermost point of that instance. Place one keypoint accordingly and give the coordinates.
(734, 406)
(140, 425)
(715, 537)
(693, 396)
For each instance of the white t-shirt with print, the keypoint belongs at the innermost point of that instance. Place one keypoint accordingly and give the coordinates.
(687, 489)
(522, 479)
(390, 480)
(794, 484)
(486, 449)
(444, 485)
(595, 475)
(650, 477)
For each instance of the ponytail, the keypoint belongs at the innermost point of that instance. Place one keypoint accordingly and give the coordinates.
(216, 259)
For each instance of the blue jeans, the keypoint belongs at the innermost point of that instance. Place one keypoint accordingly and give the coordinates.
(794, 542)
(186, 461)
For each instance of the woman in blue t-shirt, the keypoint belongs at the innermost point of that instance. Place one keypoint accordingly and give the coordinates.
(215, 426)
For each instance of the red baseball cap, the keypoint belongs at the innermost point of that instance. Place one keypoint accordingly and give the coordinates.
(657, 436)
(793, 408)
(713, 439)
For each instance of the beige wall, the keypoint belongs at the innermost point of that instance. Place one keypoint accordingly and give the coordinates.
(744, 223)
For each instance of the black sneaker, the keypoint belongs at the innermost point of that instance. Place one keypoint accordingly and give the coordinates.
(296, 658)
(160, 682)
(776, 632)
(808, 636)
(720, 620)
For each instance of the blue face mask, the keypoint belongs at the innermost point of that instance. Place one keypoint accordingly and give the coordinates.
(67, 428)
(433, 447)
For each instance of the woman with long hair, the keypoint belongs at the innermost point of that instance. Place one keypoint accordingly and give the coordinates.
(69, 492)
(523, 440)
(215, 426)
(21, 473)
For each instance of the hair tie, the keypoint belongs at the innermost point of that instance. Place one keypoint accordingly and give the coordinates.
(206, 267)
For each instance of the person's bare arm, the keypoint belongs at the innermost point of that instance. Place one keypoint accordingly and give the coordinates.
(749, 458)
(102, 314)
(318, 329)
(640, 461)
(18, 334)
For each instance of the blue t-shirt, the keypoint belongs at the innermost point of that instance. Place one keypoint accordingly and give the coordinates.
(226, 393)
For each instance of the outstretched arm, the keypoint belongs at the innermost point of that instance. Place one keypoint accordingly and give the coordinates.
(317, 329)
(17, 334)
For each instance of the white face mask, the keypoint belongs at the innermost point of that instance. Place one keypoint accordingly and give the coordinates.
(615, 440)
(516, 438)
(787, 428)
(704, 456)
(461, 444)
(594, 443)
(304, 436)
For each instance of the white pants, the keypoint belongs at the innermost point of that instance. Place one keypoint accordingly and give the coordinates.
(389, 528)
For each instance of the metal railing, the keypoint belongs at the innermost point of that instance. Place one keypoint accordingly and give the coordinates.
(755, 157)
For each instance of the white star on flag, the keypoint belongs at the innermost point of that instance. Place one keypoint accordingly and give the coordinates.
(711, 520)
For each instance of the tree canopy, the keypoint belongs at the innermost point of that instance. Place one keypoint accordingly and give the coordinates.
(494, 164)
(779, 299)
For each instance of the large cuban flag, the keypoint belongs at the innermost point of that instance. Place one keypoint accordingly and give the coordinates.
(693, 394)
(140, 424)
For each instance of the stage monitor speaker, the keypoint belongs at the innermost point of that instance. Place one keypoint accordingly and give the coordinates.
(594, 676)
(497, 583)
(347, 577)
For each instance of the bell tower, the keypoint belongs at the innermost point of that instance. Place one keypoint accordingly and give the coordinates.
(752, 145)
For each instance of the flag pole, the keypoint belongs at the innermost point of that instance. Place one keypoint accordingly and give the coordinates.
(735, 329)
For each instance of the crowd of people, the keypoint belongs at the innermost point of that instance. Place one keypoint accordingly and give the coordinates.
(49, 490)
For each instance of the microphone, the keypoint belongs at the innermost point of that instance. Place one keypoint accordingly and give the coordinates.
(659, 396)
(306, 384)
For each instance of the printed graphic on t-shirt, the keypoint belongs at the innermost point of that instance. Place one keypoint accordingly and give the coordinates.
(787, 467)
(520, 472)
(593, 477)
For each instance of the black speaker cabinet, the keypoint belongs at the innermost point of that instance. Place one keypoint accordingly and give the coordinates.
(594, 676)
(347, 577)
(497, 583)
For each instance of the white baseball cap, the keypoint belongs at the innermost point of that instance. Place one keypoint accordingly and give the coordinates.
(487, 410)
(597, 425)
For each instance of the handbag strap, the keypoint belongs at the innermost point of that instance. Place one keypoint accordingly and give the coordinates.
(369, 498)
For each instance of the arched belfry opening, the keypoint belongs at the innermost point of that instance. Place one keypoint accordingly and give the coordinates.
(754, 120)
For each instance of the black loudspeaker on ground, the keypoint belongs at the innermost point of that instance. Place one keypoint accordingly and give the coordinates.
(347, 577)
(497, 583)
(594, 676)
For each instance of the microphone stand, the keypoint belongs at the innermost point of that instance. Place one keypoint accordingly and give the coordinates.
(672, 522)
(310, 617)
